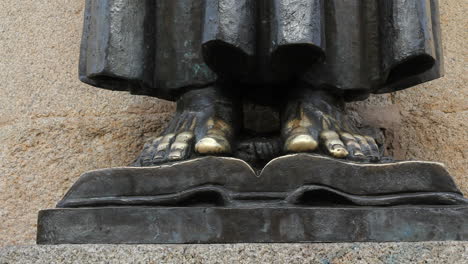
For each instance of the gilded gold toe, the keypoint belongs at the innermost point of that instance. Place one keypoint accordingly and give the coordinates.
(338, 151)
(211, 145)
(301, 143)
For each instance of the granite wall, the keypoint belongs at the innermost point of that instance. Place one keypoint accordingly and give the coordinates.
(361, 253)
(53, 128)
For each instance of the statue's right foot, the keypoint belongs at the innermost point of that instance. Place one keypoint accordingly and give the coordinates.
(203, 124)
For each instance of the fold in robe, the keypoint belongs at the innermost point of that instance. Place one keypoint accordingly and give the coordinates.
(164, 47)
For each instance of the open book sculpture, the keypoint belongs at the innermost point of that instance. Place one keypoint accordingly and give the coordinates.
(295, 198)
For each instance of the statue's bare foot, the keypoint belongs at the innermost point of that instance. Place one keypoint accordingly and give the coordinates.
(315, 120)
(203, 124)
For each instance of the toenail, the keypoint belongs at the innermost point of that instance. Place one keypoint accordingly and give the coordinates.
(158, 157)
(358, 153)
(210, 145)
(301, 143)
(175, 155)
(339, 151)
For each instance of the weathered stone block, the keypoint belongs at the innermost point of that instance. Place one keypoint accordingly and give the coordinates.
(363, 253)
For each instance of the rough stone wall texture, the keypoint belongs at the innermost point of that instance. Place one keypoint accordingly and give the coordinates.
(367, 253)
(53, 128)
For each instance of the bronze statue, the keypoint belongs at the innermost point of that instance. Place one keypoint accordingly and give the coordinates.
(261, 88)
(306, 58)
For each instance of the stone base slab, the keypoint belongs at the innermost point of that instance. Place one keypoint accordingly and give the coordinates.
(375, 253)
(198, 225)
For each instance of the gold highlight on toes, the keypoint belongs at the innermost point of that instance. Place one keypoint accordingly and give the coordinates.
(352, 145)
(219, 127)
(164, 144)
(215, 142)
(175, 155)
(184, 137)
(181, 145)
(211, 145)
(301, 143)
(334, 145)
(338, 151)
(163, 147)
(299, 139)
(156, 141)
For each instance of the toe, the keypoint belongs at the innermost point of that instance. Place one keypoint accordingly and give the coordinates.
(375, 152)
(332, 142)
(302, 139)
(146, 156)
(300, 143)
(163, 148)
(149, 151)
(180, 148)
(365, 146)
(363, 143)
(213, 145)
(215, 141)
(353, 147)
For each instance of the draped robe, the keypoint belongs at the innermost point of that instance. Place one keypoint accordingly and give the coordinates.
(162, 48)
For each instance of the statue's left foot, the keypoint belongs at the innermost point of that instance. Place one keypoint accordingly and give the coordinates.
(316, 119)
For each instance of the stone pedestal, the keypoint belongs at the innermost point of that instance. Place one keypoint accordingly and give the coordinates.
(296, 198)
(149, 225)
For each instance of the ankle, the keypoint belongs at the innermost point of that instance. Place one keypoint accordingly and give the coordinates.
(204, 98)
(322, 98)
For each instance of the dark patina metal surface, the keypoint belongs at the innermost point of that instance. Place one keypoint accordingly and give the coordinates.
(299, 179)
(297, 198)
(303, 59)
(143, 225)
(357, 47)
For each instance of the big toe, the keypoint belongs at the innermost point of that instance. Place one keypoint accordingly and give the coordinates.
(213, 145)
(301, 143)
